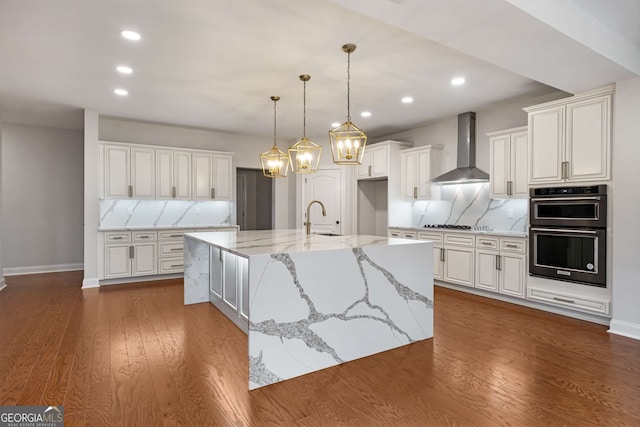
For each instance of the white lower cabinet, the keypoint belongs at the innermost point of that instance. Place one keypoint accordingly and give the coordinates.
(229, 285)
(130, 257)
(502, 267)
(459, 262)
(438, 252)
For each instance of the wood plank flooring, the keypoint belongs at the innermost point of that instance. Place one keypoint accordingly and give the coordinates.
(134, 355)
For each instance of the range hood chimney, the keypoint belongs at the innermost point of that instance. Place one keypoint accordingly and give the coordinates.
(466, 170)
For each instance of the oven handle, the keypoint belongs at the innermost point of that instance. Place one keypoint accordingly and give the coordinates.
(564, 199)
(564, 230)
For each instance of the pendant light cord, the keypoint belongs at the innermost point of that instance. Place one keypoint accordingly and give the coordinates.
(274, 124)
(348, 86)
(304, 110)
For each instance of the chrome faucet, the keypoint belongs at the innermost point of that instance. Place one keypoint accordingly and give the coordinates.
(308, 222)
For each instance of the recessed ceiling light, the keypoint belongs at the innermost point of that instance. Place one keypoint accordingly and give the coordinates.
(335, 125)
(121, 92)
(407, 100)
(457, 81)
(130, 35)
(124, 69)
(366, 114)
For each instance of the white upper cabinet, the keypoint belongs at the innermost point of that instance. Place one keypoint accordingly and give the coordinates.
(173, 174)
(508, 170)
(376, 160)
(570, 139)
(127, 172)
(419, 166)
(211, 176)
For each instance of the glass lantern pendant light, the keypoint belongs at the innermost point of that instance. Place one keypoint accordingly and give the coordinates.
(304, 155)
(347, 140)
(275, 163)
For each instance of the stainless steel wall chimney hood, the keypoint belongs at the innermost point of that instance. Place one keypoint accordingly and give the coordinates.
(466, 170)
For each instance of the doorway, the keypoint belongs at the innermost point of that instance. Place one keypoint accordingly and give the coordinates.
(254, 196)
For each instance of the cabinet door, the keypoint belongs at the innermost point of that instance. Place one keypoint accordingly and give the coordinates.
(380, 161)
(437, 263)
(486, 271)
(116, 261)
(143, 173)
(409, 180)
(116, 171)
(144, 260)
(216, 276)
(500, 163)
(546, 145)
(512, 274)
(229, 280)
(182, 175)
(202, 164)
(243, 287)
(459, 266)
(364, 169)
(518, 174)
(587, 145)
(222, 177)
(164, 174)
(424, 174)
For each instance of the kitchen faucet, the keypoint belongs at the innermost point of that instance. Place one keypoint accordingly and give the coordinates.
(308, 222)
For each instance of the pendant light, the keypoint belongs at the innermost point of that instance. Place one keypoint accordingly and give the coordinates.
(347, 140)
(275, 163)
(304, 155)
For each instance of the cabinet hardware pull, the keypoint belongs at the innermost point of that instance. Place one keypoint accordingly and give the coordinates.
(175, 235)
(131, 254)
(143, 237)
(442, 258)
(175, 249)
(213, 193)
(498, 263)
(173, 192)
(564, 300)
(564, 199)
(415, 192)
(509, 245)
(562, 230)
(509, 188)
(117, 238)
(369, 170)
(177, 265)
(130, 191)
(486, 243)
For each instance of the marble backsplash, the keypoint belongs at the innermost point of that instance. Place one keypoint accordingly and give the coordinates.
(470, 204)
(163, 213)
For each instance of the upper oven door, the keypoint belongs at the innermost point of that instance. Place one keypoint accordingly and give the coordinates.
(572, 211)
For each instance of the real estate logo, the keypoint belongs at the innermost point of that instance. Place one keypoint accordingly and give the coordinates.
(31, 416)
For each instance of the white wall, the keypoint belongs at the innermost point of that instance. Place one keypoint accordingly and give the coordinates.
(626, 209)
(2, 281)
(42, 196)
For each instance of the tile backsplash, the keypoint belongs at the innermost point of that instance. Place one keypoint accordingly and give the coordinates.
(163, 213)
(470, 204)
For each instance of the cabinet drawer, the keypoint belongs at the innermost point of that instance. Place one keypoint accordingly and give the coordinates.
(395, 233)
(144, 236)
(170, 265)
(513, 245)
(436, 237)
(171, 249)
(409, 235)
(487, 242)
(172, 234)
(569, 301)
(117, 237)
(459, 240)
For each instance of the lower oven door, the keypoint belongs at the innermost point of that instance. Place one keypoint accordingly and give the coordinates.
(575, 255)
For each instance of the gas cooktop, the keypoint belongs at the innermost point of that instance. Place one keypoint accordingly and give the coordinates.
(459, 227)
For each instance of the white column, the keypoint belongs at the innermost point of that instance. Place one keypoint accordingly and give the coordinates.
(2, 283)
(91, 203)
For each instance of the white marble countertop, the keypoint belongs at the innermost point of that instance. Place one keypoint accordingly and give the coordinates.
(504, 233)
(267, 242)
(167, 227)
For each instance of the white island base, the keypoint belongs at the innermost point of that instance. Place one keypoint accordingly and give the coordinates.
(311, 302)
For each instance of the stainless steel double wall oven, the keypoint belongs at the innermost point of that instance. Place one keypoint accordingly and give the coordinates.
(567, 234)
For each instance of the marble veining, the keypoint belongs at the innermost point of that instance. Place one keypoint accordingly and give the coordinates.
(150, 214)
(471, 204)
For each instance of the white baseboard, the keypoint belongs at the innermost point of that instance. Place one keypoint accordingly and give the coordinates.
(35, 269)
(137, 279)
(90, 283)
(626, 329)
(2, 284)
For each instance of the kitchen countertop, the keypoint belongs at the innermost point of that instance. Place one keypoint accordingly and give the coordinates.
(166, 227)
(503, 233)
(266, 242)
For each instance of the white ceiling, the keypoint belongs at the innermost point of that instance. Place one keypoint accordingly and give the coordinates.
(214, 64)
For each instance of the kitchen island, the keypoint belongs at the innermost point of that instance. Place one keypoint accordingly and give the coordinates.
(311, 302)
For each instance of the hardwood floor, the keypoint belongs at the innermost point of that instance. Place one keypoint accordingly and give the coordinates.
(133, 355)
